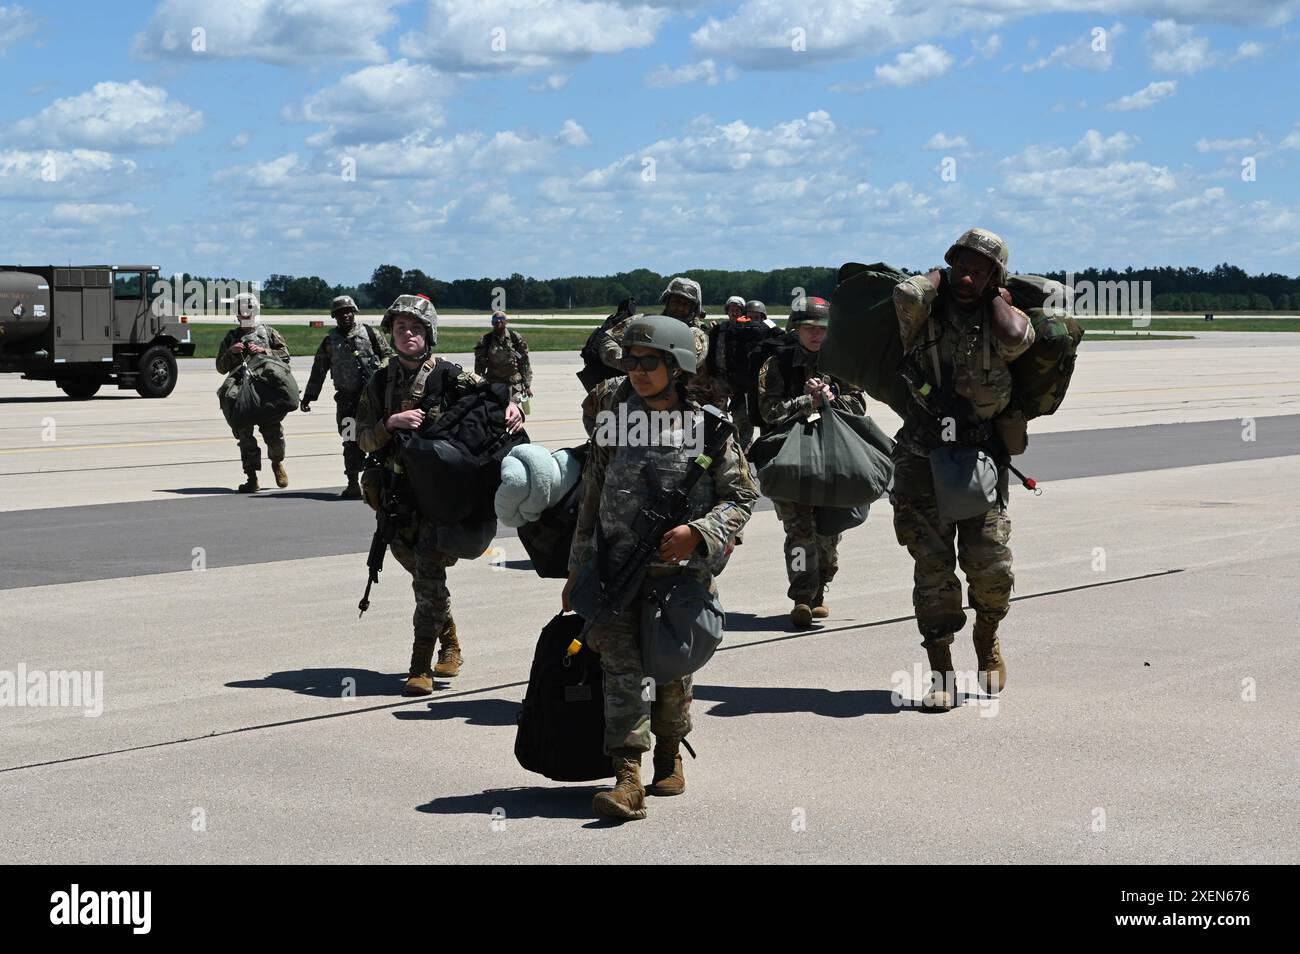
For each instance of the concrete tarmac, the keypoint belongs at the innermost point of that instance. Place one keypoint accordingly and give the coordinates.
(249, 716)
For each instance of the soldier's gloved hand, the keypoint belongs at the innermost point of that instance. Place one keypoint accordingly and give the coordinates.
(305, 406)
(514, 417)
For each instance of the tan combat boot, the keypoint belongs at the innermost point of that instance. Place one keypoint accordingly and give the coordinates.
(992, 670)
(420, 680)
(626, 800)
(281, 478)
(249, 486)
(819, 608)
(669, 778)
(942, 695)
(801, 616)
(449, 658)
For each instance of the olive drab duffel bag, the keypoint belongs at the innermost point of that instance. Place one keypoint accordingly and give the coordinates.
(829, 459)
(1041, 375)
(862, 345)
(259, 391)
(561, 727)
(681, 626)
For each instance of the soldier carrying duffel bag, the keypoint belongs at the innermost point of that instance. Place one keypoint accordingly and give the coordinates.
(259, 390)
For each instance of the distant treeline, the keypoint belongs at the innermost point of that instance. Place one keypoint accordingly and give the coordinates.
(1222, 288)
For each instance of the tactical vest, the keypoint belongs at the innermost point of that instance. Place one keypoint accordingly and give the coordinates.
(352, 358)
(504, 358)
(428, 388)
(628, 487)
(969, 380)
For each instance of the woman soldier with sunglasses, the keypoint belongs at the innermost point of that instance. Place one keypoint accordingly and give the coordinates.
(659, 356)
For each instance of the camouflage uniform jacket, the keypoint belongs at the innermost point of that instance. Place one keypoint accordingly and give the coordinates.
(389, 391)
(503, 359)
(261, 334)
(779, 399)
(957, 345)
(349, 358)
(615, 485)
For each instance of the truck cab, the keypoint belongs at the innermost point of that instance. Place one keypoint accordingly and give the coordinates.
(86, 326)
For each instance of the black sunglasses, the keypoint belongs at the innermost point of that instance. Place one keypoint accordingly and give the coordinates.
(647, 362)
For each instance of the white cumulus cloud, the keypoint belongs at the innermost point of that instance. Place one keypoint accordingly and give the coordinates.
(1146, 97)
(113, 116)
(924, 62)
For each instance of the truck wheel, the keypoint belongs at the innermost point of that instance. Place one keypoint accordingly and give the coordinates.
(79, 389)
(157, 373)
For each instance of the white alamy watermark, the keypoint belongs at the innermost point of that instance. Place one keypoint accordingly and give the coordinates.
(633, 427)
(53, 688)
(174, 296)
(75, 906)
(1126, 299)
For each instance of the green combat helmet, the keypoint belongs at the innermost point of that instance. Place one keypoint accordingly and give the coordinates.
(687, 288)
(986, 243)
(665, 334)
(815, 311)
(417, 306)
(342, 303)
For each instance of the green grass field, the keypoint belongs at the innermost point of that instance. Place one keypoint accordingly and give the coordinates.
(303, 340)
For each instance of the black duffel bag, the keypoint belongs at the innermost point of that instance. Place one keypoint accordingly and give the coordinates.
(548, 539)
(561, 732)
(454, 462)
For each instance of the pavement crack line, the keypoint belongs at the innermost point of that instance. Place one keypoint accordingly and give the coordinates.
(515, 685)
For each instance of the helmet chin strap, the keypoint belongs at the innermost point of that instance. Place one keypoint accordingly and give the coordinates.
(667, 392)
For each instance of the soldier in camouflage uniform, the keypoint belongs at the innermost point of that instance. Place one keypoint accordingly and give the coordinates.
(734, 341)
(411, 389)
(250, 338)
(659, 356)
(501, 356)
(790, 386)
(959, 331)
(683, 300)
(350, 353)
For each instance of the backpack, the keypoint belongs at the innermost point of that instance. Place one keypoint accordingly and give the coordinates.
(1041, 375)
(863, 347)
(454, 463)
(780, 346)
(595, 370)
(548, 539)
(561, 727)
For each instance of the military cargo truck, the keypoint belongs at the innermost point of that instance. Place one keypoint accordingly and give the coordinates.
(86, 326)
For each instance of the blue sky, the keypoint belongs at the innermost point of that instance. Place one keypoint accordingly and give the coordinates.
(557, 137)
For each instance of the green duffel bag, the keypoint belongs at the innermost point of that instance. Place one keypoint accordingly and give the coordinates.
(259, 391)
(832, 459)
(681, 626)
(1041, 376)
(862, 344)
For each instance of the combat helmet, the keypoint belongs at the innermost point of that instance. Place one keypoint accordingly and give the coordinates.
(815, 311)
(986, 243)
(417, 306)
(665, 334)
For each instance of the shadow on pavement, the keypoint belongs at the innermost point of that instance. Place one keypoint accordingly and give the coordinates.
(749, 623)
(752, 700)
(495, 712)
(327, 683)
(539, 801)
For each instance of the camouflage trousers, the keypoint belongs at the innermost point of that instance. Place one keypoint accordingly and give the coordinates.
(250, 452)
(634, 705)
(981, 549)
(811, 559)
(345, 414)
(414, 550)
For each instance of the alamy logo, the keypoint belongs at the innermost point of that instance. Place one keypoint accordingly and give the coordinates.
(103, 907)
(629, 427)
(55, 688)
